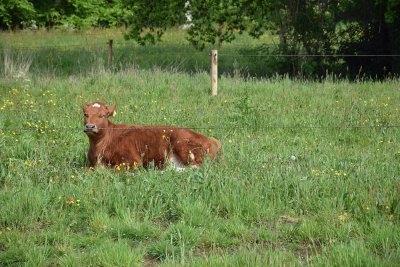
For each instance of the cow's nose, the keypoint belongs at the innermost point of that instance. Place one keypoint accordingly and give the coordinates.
(89, 127)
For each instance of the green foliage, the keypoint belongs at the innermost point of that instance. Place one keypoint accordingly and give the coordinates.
(28, 14)
(97, 13)
(342, 28)
(304, 27)
(149, 19)
(244, 114)
(208, 22)
(213, 22)
(392, 17)
(13, 13)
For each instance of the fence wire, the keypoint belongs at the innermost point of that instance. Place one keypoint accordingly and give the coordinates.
(215, 127)
(309, 55)
(222, 127)
(180, 52)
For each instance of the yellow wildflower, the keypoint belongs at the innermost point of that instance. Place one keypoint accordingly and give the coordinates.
(70, 201)
(27, 163)
(343, 216)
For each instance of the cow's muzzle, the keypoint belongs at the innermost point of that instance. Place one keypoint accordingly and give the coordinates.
(90, 128)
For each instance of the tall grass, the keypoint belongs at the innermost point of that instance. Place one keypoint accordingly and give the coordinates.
(16, 67)
(284, 194)
(60, 53)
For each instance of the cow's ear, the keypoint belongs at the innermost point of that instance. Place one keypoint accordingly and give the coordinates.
(84, 107)
(111, 110)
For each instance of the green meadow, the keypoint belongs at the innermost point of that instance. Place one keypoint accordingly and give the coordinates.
(296, 185)
(63, 53)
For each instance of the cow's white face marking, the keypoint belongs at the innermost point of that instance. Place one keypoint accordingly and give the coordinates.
(96, 105)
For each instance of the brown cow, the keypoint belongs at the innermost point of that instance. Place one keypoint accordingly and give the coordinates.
(133, 145)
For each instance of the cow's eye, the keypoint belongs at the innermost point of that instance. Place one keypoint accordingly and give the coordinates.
(86, 115)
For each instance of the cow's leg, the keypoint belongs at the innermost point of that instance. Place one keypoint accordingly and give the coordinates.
(135, 162)
(176, 162)
(189, 154)
(193, 153)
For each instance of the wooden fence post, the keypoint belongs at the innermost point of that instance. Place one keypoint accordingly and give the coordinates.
(214, 72)
(110, 54)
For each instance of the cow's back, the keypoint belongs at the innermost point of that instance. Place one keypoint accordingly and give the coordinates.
(145, 145)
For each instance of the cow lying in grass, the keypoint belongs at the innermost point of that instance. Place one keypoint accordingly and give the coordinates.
(134, 145)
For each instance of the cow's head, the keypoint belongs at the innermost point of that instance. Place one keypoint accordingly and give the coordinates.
(96, 117)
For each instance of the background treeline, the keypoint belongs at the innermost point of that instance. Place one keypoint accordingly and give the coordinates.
(302, 27)
(68, 14)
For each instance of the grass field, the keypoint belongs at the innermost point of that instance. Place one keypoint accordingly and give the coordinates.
(60, 53)
(283, 196)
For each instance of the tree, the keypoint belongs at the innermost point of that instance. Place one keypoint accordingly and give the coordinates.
(14, 12)
(347, 28)
(310, 27)
(392, 19)
(212, 22)
(93, 13)
(149, 19)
